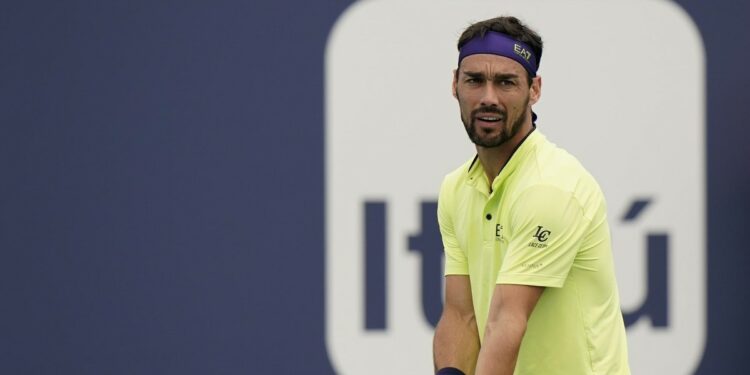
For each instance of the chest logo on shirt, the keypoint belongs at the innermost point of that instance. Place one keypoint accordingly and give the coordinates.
(499, 232)
(541, 235)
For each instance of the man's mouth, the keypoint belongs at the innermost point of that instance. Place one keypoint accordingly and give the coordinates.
(490, 117)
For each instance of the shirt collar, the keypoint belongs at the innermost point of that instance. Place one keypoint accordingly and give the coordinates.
(476, 171)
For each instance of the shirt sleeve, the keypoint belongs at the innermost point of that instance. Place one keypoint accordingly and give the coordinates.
(547, 227)
(455, 258)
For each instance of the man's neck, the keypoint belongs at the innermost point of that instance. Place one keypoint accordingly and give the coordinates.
(494, 158)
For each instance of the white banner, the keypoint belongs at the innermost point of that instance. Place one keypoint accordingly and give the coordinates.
(623, 90)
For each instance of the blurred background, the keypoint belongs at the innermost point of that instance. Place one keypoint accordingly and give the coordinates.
(163, 196)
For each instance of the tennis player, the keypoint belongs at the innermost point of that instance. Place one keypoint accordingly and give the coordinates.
(530, 287)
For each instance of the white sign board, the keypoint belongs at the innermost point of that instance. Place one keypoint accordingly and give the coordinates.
(623, 90)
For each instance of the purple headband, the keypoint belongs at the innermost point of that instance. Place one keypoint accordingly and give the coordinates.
(502, 45)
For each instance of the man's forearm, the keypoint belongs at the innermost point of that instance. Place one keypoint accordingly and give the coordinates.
(456, 342)
(499, 352)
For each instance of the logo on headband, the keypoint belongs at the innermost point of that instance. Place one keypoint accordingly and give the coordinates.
(520, 51)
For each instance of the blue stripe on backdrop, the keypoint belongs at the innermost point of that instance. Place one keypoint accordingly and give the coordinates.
(162, 189)
(162, 192)
(721, 25)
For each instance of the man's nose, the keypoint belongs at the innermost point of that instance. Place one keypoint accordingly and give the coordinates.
(490, 96)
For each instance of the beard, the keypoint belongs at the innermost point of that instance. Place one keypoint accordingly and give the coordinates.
(507, 131)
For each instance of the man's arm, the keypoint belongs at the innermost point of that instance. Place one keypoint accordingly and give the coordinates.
(456, 342)
(510, 309)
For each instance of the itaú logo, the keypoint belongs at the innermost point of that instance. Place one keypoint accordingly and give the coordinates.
(654, 308)
(385, 295)
(654, 305)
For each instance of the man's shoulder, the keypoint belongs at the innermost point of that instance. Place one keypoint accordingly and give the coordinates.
(551, 157)
(552, 171)
(554, 165)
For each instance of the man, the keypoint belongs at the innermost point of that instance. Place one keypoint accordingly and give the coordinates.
(530, 285)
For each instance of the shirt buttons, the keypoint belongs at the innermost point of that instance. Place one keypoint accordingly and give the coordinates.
(489, 216)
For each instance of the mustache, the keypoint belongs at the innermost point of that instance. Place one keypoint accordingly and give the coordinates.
(488, 109)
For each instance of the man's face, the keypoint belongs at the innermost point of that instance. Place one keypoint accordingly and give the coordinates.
(494, 97)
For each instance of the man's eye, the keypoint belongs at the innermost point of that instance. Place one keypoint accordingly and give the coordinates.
(506, 82)
(473, 80)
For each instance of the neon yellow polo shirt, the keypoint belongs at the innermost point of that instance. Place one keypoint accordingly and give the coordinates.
(543, 223)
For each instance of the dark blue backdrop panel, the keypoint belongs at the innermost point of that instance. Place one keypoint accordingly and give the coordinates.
(161, 205)
(727, 50)
(162, 188)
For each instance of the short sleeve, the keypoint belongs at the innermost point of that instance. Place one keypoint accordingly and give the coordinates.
(547, 227)
(455, 258)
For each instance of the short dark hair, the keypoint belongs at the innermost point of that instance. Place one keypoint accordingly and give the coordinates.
(507, 25)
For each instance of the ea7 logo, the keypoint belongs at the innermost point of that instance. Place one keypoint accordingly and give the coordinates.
(522, 52)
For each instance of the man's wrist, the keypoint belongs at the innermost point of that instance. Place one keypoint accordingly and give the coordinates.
(449, 371)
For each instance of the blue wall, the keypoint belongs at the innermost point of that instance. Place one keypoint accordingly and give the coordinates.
(161, 201)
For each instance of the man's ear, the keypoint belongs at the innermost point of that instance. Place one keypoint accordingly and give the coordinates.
(535, 91)
(453, 87)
